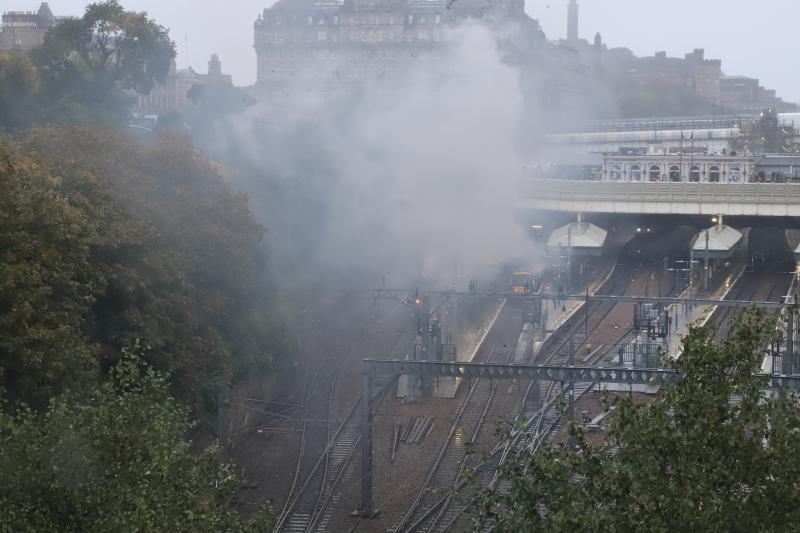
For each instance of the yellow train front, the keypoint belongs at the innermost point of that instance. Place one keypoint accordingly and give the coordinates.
(522, 282)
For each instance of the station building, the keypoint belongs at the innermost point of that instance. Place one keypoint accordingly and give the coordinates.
(701, 168)
(776, 168)
(680, 167)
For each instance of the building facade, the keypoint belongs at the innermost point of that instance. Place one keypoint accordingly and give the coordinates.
(680, 167)
(743, 94)
(693, 71)
(22, 31)
(347, 43)
(777, 168)
(172, 95)
(762, 168)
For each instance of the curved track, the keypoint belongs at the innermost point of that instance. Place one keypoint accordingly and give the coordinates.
(307, 507)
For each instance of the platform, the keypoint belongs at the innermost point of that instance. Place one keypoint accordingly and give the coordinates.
(793, 238)
(700, 315)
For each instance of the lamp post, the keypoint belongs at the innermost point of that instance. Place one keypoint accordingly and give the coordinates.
(683, 178)
(705, 275)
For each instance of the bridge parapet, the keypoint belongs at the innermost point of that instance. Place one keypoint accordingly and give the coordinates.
(677, 198)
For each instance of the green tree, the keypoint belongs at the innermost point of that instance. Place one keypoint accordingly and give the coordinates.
(94, 59)
(112, 459)
(691, 460)
(19, 84)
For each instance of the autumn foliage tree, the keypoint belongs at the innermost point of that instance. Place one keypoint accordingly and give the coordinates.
(19, 85)
(105, 240)
(691, 460)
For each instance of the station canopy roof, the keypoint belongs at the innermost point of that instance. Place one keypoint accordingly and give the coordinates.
(721, 238)
(579, 235)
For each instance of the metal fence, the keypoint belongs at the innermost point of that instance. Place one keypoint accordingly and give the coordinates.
(636, 355)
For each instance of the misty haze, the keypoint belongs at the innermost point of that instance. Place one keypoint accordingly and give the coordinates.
(399, 265)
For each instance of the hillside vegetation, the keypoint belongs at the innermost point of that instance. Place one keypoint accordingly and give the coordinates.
(105, 240)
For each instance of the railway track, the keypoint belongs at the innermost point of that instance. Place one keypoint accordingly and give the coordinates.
(594, 325)
(328, 441)
(768, 279)
(449, 464)
(641, 257)
(541, 414)
(310, 476)
(539, 425)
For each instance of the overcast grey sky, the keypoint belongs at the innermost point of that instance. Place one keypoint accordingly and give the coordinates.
(757, 39)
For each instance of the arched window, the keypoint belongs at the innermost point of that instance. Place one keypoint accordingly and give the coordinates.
(735, 175)
(616, 173)
(713, 174)
(694, 173)
(674, 173)
(655, 173)
(636, 173)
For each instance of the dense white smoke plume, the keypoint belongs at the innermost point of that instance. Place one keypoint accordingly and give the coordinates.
(401, 180)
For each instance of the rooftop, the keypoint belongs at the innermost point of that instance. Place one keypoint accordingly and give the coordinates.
(721, 238)
(578, 235)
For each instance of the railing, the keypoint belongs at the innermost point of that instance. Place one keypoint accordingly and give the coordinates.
(656, 123)
(754, 199)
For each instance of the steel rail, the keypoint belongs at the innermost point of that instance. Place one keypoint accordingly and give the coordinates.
(286, 508)
(408, 516)
(325, 498)
(566, 332)
(463, 465)
(339, 369)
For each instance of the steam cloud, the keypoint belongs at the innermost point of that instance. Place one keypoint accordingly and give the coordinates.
(401, 179)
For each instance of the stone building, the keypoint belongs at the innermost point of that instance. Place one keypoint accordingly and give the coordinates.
(172, 95)
(703, 75)
(345, 43)
(743, 94)
(22, 31)
(693, 71)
